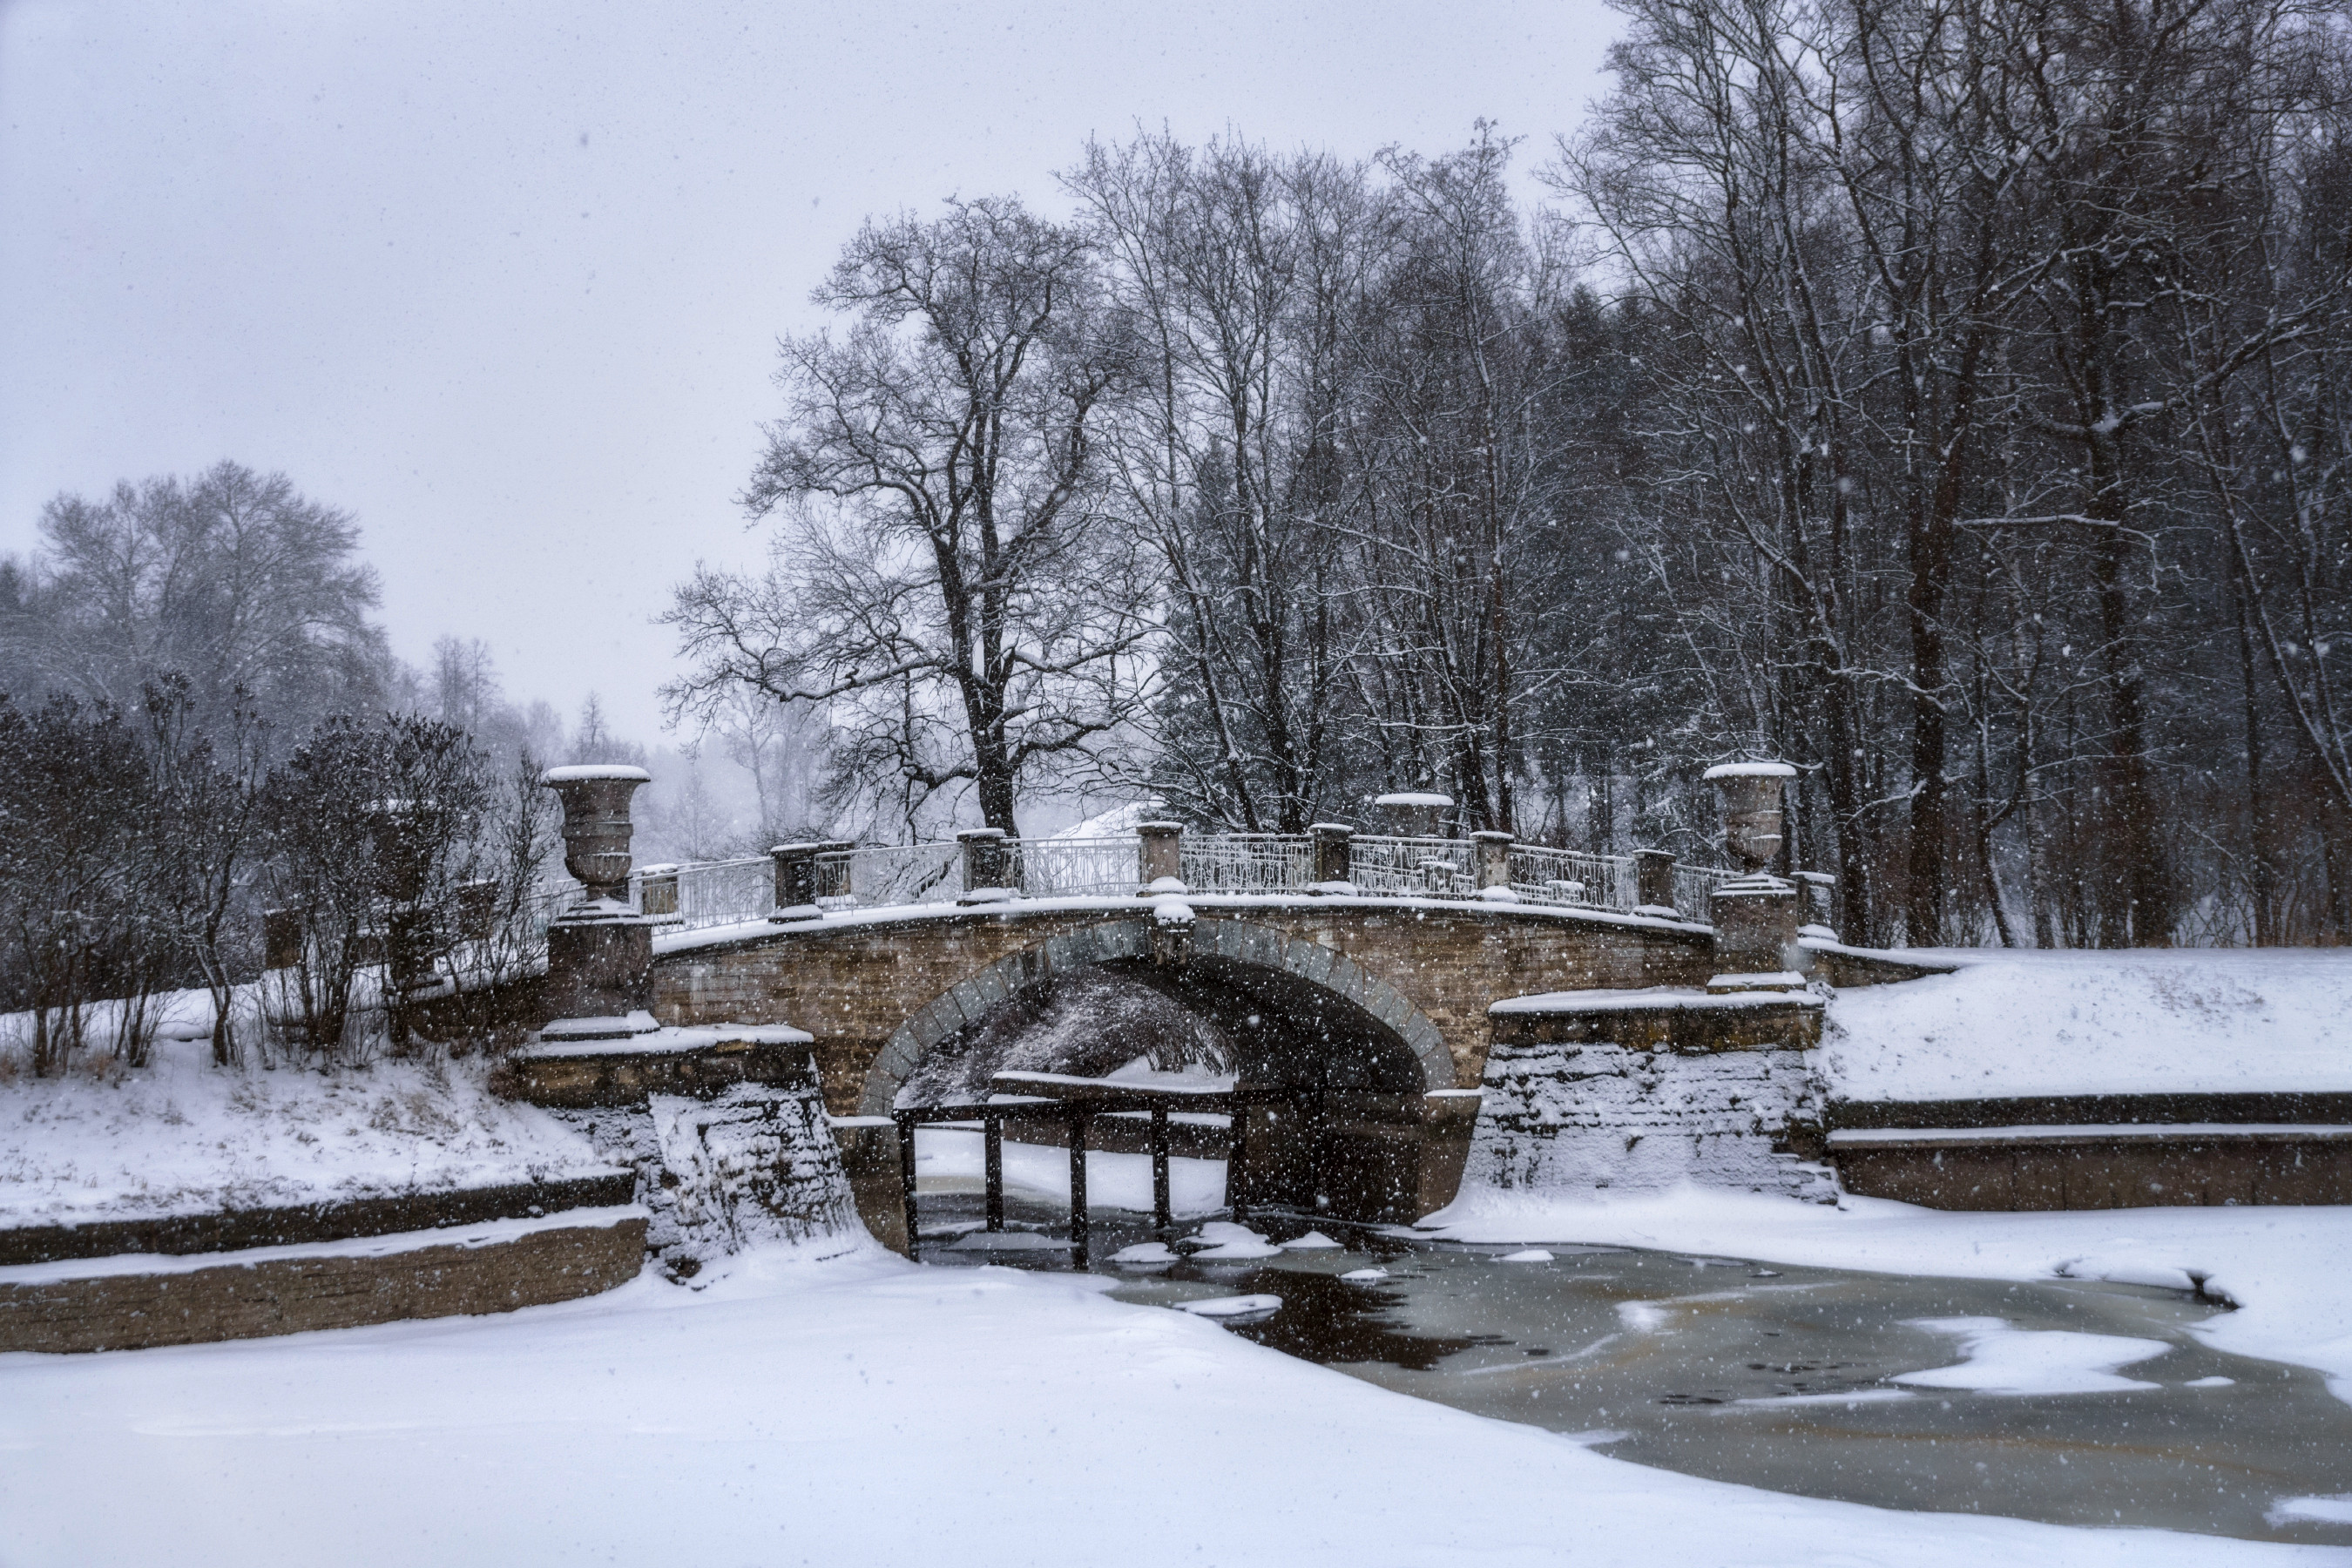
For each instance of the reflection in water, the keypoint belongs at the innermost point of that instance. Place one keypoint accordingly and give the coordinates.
(1786, 1378)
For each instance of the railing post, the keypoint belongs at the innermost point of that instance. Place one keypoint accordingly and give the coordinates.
(1494, 853)
(1653, 882)
(1160, 858)
(985, 866)
(1330, 868)
(1820, 905)
(795, 881)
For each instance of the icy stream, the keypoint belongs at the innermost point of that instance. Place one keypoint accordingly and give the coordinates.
(2062, 1401)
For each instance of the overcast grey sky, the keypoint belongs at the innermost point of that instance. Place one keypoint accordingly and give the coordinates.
(504, 280)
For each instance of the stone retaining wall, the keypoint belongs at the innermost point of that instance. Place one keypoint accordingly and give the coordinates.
(117, 1304)
(2044, 1169)
(345, 1218)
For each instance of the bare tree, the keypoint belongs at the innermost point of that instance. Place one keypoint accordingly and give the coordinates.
(947, 583)
(234, 579)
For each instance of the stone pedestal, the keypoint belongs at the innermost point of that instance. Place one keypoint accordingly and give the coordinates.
(1653, 882)
(657, 890)
(1330, 873)
(1494, 853)
(1162, 857)
(599, 974)
(988, 873)
(1756, 920)
(795, 881)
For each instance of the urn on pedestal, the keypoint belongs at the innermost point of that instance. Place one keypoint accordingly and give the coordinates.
(1755, 914)
(599, 950)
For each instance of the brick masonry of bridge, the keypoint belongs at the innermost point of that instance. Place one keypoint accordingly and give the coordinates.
(856, 982)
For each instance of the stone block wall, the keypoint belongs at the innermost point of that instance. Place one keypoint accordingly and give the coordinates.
(289, 1291)
(1599, 1117)
(2103, 1168)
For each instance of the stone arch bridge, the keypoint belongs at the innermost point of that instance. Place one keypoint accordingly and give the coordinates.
(1371, 1014)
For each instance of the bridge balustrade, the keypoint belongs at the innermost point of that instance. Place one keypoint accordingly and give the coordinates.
(721, 893)
(1547, 876)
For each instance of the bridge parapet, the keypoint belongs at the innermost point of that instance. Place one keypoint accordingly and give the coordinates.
(796, 881)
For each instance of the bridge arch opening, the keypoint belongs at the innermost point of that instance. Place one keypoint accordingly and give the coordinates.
(1344, 1060)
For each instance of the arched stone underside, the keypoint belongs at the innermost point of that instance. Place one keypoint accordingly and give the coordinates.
(1255, 958)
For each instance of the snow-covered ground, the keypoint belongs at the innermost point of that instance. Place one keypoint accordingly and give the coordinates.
(186, 1137)
(2017, 1024)
(865, 1410)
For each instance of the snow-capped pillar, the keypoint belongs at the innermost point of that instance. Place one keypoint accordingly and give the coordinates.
(1162, 857)
(1654, 881)
(600, 953)
(1413, 814)
(1329, 844)
(1494, 854)
(987, 866)
(1756, 914)
(795, 881)
(397, 830)
(1821, 906)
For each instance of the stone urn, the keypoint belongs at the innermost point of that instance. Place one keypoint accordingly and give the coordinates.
(1752, 813)
(596, 826)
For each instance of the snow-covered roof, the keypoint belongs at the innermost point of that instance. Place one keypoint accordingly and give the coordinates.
(1749, 771)
(1414, 797)
(1119, 822)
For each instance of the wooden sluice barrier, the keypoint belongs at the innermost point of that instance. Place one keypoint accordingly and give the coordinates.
(1078, 1100)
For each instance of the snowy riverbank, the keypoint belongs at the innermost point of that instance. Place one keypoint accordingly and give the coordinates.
(186, 1137)
(2011, 1023)
(866, 1410)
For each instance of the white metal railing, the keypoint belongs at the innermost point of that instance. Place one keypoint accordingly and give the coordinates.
(1693, 888)
(718, 892)
(1075, 867)
(884, 875)
(1572, 877)
(1246, 862)
(1413, 868)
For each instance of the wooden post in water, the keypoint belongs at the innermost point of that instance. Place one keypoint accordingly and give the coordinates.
(1077, 1188)
(1237, 1159)
(1161, 1215)
(906, 1178)
(992, 1144)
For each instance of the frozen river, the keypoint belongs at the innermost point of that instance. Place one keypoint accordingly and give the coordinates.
(2067, 1401)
